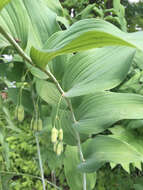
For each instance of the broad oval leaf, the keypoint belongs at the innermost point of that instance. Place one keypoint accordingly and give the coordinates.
(123, 147)
(84, 35)
(13, 18)
(97, 70)
(98, 112)
(38, 28)
(43, 25)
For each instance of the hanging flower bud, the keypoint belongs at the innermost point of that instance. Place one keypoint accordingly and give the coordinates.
(61, 134)
(59, 148)
(54, 135)
(55, 146)
(35, 125)
(39, 124)
(20, 113)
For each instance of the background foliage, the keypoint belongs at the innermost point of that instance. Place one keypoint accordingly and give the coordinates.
(19, 165)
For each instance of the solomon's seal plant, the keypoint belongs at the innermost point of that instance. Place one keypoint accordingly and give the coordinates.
(76, 76)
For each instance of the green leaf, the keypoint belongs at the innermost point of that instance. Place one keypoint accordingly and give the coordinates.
(120, 12)
(37, 72)
(116, 4)
(97, 70)
(57, 66)
(41, 28)
(138, 59)
(84, 35)
(72, 174)
(63, 21)
(99, 12)
(86, 11)
(49, 93)
(3, 3)
(123, 147)
(55, 6)
(133, 83)
(13, 18)
(135, 124)
(69, 136)
(42, 25)
(99, 111)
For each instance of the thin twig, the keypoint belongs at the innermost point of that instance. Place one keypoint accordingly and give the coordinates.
(29, 175)
(84, 181)
(78, 144)
(40, 162)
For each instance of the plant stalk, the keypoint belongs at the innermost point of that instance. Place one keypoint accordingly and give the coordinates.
(40, 162)
(51, 76)
(53, 177)
(81, 156)
(78, 141)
